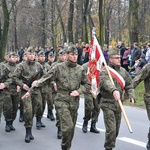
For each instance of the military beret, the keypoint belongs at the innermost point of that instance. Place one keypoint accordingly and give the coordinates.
(13, 54)
(41, 53)
(61, 52)
(114, 51)
(30, 50)
(51, 54)
(72, 49)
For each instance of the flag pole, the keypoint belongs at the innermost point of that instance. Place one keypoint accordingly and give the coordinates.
(110, 77)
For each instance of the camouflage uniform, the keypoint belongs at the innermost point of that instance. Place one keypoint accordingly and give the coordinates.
(144, 75)
(68, 77)
(92, 109)
(11, 99)
(110, 107)
(4, 71)
(24, 74)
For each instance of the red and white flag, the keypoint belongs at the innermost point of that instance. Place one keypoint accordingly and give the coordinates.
(95, 64)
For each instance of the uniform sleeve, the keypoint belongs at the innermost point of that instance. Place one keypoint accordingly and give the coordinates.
(85, 88)
(143, 74)
(129, 89)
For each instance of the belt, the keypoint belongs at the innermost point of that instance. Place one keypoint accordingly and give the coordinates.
(64, 92)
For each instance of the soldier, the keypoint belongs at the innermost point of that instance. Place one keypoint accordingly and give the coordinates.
(12, 96)
(51, 58)
(111, 93)
(144, 75)
(61, 59)
(68, 77)
(24, 75)
(92, 109)
(43, 95)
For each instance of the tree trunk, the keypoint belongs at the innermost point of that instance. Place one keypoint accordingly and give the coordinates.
(134, 21)
(70, 21)
(3, 41)
(85, 13)
(43, 23)
(101, 23)
(61, 22)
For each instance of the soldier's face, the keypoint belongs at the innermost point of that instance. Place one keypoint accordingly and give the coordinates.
(12, 59)
(115, 60)
(30, 56)
(42, 58)
(73, 57)
(51, 59)
(62, 57)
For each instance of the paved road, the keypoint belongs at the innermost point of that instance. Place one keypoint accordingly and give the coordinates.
(46, 139)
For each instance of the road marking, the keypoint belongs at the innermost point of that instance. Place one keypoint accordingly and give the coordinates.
(132, 141)
(125, 139)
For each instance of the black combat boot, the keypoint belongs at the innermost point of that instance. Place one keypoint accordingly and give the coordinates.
(30, 132)
(84, 127)
(43, 125)
(7, 127)
(38, 123)
(11, 126)
(59, 133)
(93, 128)
(27, 137)
(48, 113)
(21, 117)
(51, 115)
(108, 149)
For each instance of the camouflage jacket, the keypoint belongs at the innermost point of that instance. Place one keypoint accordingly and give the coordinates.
(107, 88)
(68, 77)
(144, 74)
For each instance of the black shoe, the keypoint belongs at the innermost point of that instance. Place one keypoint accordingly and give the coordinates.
(38, 123)
(84, 127)
(21, 118)
(7, 127)
(43, 125)
(93, 128)
(51, 115)
(148, 145)
(27, 136)
(59, 133)
(108, 149)
(11, 126)
(30, 133)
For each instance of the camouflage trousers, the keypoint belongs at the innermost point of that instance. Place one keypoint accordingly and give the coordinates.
(92, 108)
(50, 101)
(10, 107)
(41, 102)
(67, 112)
(1, 102)
(112, 120)
(29, 108)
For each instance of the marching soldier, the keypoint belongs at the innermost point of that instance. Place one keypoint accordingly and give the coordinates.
(68, 77)
(92, 110)
(24, 75)
(111, 93)
(144, 75)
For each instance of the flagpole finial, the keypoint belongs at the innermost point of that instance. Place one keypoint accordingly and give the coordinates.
(93, 31)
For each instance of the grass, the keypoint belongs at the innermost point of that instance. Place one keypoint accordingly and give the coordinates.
(139, 93)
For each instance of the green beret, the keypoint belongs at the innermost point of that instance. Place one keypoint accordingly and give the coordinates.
(114, 51)
(51, 54)
(72, 49)
(13, 54)
(61, 52)
(41, 53)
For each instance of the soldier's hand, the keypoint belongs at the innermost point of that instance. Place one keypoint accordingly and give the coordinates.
(26, 95)
(132, 100)
(2, 86)
(116, 95)
(35, 84)
(25, 87)
(18, 88)
(74, 93)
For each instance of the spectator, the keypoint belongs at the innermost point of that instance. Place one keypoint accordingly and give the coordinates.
(79, 60)
(105, 52)
(135, 53)
(148, 53)
(85, 54)
(125, 58)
